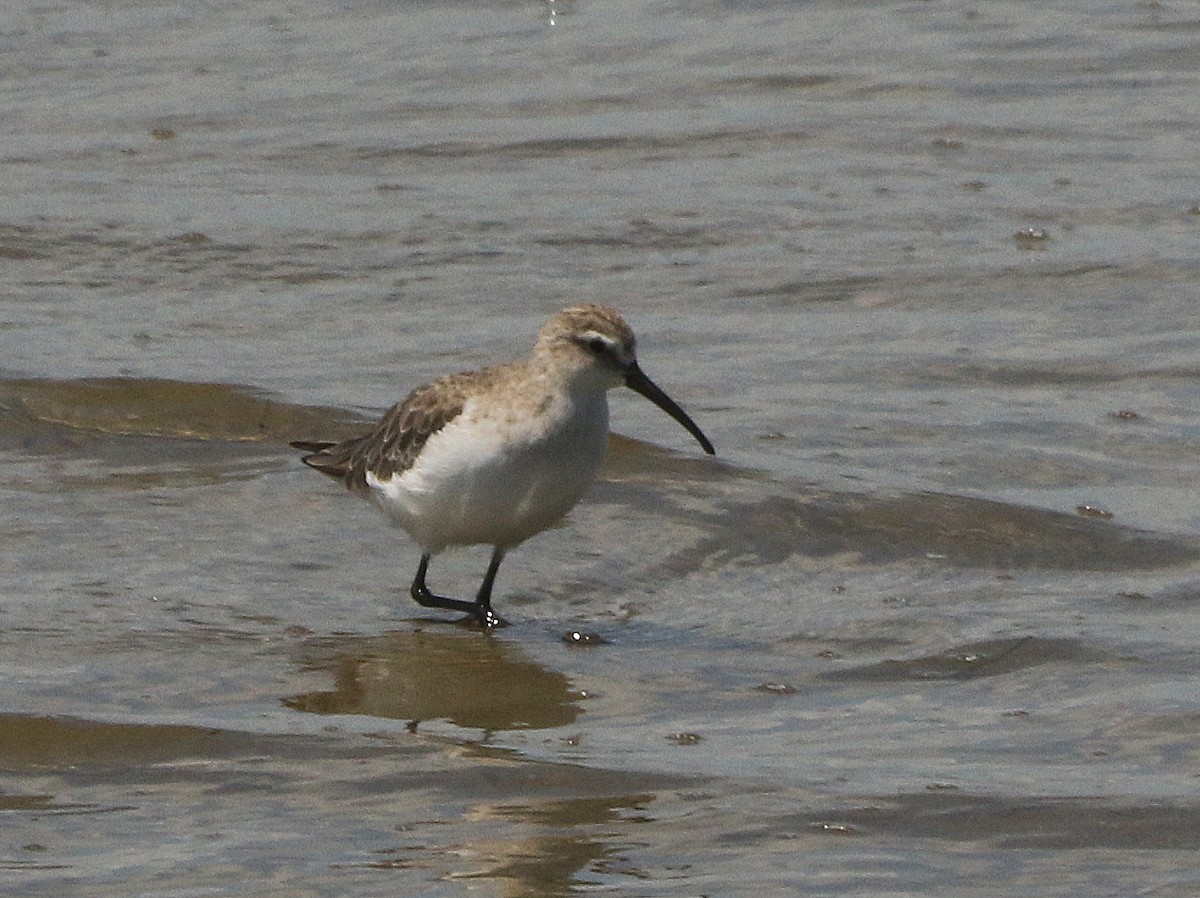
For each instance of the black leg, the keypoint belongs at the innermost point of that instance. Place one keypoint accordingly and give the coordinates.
(483, 599)
(420, 592)
(480, 609)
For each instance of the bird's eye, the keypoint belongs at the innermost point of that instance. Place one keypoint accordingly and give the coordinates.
(594, 343)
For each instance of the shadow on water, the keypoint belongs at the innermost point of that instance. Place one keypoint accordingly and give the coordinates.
(467, 680)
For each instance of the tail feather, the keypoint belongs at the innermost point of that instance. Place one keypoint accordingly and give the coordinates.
(311, 445)
(334, 460)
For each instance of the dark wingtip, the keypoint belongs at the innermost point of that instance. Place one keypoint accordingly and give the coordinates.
(317, 459)
(331, 464)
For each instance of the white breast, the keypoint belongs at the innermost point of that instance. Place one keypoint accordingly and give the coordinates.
(498, 479)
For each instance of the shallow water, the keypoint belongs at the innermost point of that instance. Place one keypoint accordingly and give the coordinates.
(925, 273)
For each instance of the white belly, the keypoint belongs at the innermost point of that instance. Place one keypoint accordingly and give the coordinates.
(485, 479)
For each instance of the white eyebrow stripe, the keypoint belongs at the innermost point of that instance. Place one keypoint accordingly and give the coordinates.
(596, 335)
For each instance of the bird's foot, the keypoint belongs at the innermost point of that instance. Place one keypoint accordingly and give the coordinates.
(481, 616)
(484, 619)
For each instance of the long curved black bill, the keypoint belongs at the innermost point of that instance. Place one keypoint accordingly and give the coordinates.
(640, 383)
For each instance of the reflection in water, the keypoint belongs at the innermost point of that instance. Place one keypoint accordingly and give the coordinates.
(536, 866)
(537, 846)
(478, 681)
(550, 863)
(472, 681)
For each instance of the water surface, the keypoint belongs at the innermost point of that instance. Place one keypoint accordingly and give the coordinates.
(925, 273)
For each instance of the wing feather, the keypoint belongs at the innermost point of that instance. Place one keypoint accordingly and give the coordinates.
(393, 445)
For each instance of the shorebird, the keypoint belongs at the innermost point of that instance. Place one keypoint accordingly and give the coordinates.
(494, 456)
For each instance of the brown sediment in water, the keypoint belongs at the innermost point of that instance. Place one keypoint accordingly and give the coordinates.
(45, 415)
(957, 531)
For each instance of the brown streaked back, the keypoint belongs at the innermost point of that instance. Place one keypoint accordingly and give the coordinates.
(398, 438)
